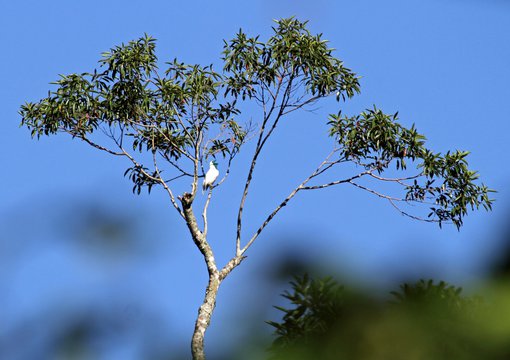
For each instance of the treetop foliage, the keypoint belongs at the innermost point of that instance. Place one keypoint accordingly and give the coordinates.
(188, 113)
(291, 54)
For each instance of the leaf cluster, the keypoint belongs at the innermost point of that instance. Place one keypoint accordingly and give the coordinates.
(377, 141)
(139, 110)
(141, 177)
(291, 54)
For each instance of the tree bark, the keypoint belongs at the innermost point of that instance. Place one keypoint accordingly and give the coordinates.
(215, 277)
(204, 317)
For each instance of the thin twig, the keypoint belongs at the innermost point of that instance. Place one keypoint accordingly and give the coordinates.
(97, 146)
(204, 213)
(227, 172)
(297, 107)
(397, 180)
(376, 193)
(411, 216)
(174, 164)
(165, 186)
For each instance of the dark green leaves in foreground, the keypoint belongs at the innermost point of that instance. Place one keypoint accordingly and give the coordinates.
(316, 306)
(424, 320)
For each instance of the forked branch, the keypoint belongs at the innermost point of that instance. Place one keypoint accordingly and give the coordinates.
(325, 165)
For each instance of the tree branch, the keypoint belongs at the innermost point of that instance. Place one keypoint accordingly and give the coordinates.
(299, 106)
(390, 198)
(412, 216)
(397, 180)
(97, 146)
(227, 172)
(325, 164)
(204, 213)
(260, 144)
(165, 186)
(175, 165)
(198, 237)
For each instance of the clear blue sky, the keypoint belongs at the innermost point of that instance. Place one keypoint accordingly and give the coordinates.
(444, 65)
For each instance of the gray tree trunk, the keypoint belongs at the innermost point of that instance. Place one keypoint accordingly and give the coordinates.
(215, 277)
(204, 317)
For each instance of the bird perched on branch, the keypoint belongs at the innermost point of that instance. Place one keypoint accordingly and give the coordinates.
(210, 176)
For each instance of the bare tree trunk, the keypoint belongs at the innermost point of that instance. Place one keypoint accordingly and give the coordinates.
(215, 277)
(204, 317)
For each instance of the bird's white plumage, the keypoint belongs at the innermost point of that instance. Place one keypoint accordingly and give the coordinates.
(210, 176)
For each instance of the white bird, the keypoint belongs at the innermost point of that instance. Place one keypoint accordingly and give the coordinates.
(210, 176)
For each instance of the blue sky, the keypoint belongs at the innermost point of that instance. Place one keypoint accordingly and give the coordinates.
(442, 64)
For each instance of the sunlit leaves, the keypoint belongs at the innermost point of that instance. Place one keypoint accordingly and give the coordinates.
(376, 140)
(72, 107)
(191, 112)
(198, 83)
(135, 60)
(457, 192)
(292, 55)
(140, 110)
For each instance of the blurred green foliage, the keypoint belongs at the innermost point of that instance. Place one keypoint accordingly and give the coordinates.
(422, 321)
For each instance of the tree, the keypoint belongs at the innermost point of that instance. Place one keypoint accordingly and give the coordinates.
(168, 125)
